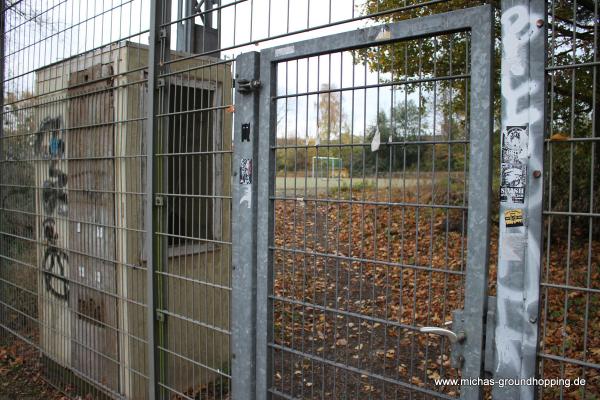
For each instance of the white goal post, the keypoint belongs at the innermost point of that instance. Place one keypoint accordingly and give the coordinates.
(323, 167)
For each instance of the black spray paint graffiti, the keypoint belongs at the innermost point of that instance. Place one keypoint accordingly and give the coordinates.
(54, 196)
(54, 264)
(49, 145)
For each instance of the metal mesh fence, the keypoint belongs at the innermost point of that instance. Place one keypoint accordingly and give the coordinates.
(569, 329)
(365, 251)
(72, 162)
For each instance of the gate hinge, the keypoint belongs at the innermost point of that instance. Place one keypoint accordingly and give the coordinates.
(458, 348)
(247, 86)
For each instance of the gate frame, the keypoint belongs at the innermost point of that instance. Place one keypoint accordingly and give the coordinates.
(477, 20)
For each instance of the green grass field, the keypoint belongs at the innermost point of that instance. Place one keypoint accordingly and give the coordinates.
(321, 185)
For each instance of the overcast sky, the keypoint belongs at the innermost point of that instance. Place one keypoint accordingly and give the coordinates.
(71, 27)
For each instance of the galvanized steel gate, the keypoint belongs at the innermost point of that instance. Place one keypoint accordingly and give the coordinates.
(330, 318)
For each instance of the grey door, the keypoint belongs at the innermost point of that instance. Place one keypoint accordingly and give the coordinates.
(373, 210)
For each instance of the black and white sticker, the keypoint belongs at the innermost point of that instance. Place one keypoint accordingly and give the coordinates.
(515, 143)
(245, 171)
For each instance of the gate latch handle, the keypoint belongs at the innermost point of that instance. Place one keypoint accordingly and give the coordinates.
(453, 337)
(456, 337)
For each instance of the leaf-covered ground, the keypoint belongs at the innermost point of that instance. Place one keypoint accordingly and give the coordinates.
(21, 374)
(355, 277)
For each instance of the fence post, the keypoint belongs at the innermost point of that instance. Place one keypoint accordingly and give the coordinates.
(265, 223)
(521, 192)
(243, 303)
(154, 215)
(2, 66)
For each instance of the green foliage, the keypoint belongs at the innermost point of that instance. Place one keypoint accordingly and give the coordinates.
(574, 110)
(573, 168)
(404, 126)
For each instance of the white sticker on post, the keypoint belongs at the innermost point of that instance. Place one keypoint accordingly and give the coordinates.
(384, 34)
(284, 51)
(99, 232)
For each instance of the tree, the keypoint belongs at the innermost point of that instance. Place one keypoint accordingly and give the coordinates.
(439, 56)
(332, 129)
(329, 109)
(403, 126)
(575, 110)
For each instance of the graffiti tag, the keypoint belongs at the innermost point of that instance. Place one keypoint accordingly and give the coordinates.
(54, 201)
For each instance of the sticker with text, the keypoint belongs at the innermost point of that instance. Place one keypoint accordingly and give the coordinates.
(515, 144)
(513, 218)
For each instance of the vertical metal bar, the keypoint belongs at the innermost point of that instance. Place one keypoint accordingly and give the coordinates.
(208, 17)
(185, 29)
(2, 67)
(154, 178)
(244, 207)
(537, 101)
(480, 184)
(181, 31)
(523, 111)
(264, 224)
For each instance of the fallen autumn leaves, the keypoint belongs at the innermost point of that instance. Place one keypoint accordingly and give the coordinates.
(21, 374)
(355, 277)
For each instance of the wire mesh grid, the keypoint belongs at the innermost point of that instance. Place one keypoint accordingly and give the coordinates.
(569, 330)
(71, 161)
(371, 244)
(193, 162)
(367, 248)
(74, 250)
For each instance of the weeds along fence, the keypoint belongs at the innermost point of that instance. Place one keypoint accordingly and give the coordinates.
(163, 233)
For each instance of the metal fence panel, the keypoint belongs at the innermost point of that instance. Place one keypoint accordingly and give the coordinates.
(107, 135)
(569, 329)
(339, 324)
(72, 161)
